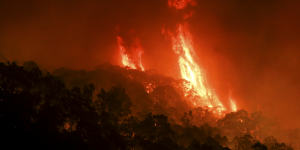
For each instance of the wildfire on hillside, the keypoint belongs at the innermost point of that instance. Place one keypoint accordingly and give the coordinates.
(128, 60)
(191, 71)
(196, 88)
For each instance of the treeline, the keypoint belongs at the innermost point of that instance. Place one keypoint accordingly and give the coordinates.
(38, 111)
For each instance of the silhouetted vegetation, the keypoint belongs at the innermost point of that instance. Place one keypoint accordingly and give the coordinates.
(40, 111)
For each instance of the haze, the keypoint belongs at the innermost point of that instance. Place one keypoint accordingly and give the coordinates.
(247, 48)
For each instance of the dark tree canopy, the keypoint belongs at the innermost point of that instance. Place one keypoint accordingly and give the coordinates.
(39, 111)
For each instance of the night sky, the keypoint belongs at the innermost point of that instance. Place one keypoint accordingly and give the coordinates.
(247, 47)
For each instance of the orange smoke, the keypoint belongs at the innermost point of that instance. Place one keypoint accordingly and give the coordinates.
(181, 4)
(129, 61)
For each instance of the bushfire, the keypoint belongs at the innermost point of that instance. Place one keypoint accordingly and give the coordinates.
(126, 59)
(190, 70)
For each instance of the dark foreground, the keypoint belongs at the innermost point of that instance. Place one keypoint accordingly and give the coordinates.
(38, 111)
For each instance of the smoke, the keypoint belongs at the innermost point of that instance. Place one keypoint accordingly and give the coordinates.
(250, 47)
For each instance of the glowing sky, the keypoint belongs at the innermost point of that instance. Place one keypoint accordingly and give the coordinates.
(250, 47)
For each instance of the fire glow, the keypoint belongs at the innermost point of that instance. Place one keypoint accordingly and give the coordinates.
(189, 69)
(126, 60)
(191, 72)
(233, 105)
(196, 86)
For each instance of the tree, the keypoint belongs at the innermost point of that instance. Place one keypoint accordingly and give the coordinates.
(273, 144)
(243, 142)
(259, 146)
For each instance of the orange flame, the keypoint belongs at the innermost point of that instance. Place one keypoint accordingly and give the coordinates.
(190, 70)
(233, 105)
(126, 60)
(140, 52)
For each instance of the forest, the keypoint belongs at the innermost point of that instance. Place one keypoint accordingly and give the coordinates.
(111, 109)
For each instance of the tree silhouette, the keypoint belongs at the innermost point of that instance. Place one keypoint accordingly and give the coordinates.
(259, 146)
(39, 111)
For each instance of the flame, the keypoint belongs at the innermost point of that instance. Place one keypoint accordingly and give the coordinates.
(196, 85)
(190, 70)
(140, 52)
(233, 105)
(149, 87)
(126, 60)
